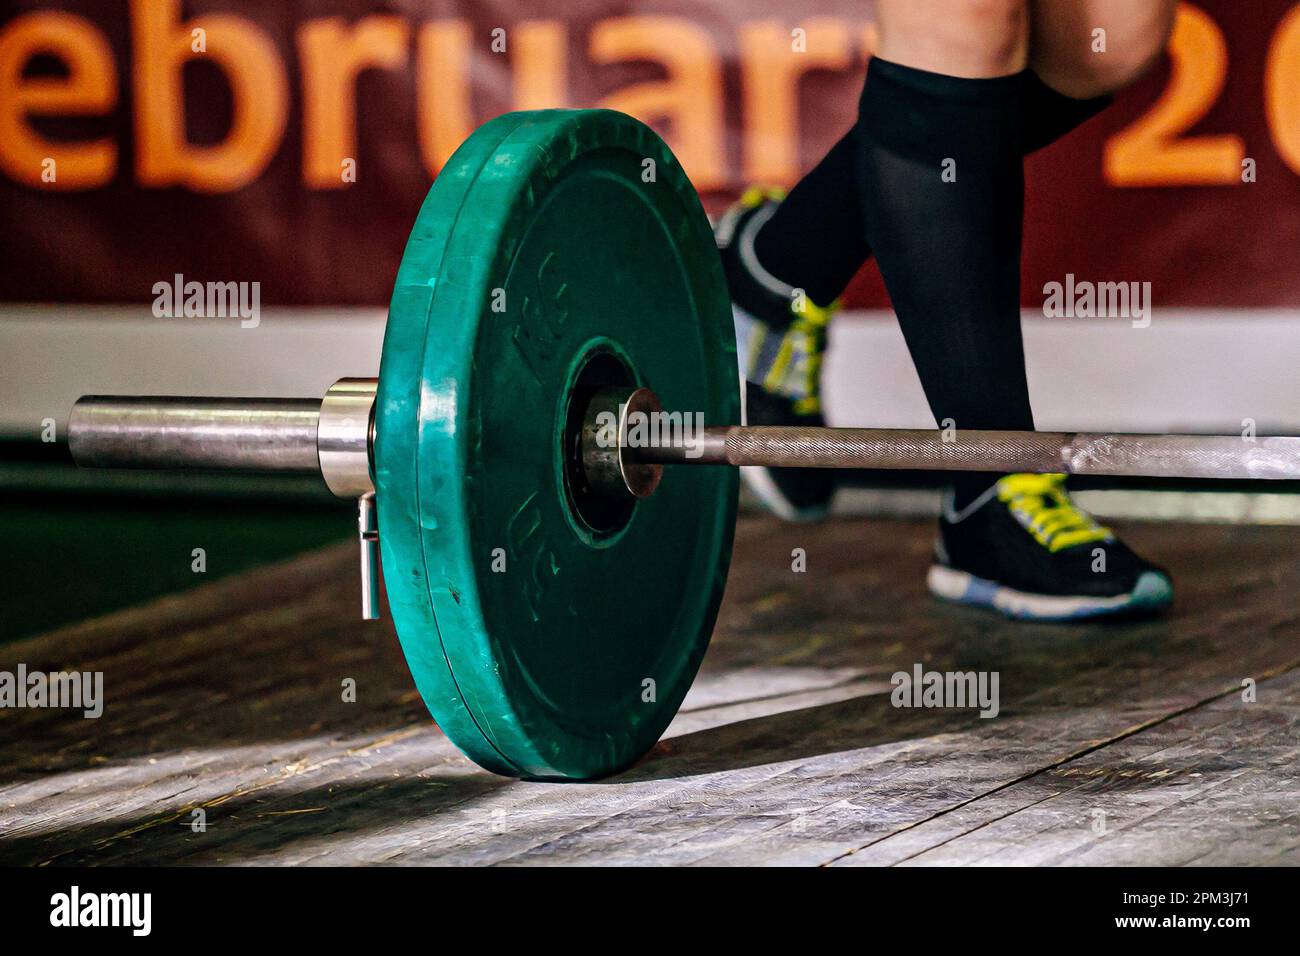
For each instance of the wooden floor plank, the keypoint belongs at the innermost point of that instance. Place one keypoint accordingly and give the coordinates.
(1114, 798)
(788, 750)
(1228, 793)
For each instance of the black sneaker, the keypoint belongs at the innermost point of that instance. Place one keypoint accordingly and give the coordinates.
(1025, 549)
(780, 339)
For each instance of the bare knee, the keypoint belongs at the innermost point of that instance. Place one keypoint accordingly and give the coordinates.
(1099, 73)
(1005, 24)
(1093, 61)
(972, 38)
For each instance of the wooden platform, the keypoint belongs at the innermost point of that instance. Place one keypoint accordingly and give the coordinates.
(1117, 744)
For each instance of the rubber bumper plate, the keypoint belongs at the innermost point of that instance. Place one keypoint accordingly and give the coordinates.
(552, 633)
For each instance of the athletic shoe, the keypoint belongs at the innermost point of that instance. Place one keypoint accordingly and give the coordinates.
(780, 339)
(1023, 548)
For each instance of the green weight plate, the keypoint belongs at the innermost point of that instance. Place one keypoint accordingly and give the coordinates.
(552, 634)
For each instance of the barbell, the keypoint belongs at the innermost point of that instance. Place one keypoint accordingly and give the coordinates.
(552, 590)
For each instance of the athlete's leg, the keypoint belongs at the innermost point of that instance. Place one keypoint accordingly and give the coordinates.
(1072, 58)
(935, 162)
(949, 249)
(816, 239)
(943, 192)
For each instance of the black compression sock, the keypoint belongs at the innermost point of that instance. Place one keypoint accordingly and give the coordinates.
(819, 236)
(943, 191)
(816, 240)
(1046, 115)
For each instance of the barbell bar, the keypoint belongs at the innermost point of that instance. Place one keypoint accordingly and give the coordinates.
(617, 464)
(312, 436)
(334, 437)
(553, 594)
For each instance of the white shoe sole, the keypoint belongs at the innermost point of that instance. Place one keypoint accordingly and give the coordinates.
(1152, 592)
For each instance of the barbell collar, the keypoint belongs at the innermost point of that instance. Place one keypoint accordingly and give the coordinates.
(345, 437)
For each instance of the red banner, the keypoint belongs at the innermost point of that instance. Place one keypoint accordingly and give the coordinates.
(291, 143)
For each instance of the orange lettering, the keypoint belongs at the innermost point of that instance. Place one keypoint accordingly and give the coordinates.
(1281, 92)
(690, 98)
(443, 116)
(89, 89)
(540, 54)
(333, 54)
(772, 59)
(164, 157)
(1153, 151)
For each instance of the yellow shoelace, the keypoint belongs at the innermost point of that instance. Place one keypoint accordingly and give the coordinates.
(797, 369)
(1041, 504)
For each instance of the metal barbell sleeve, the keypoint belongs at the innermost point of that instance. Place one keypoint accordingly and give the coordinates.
(331, 436)
(250, 434)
